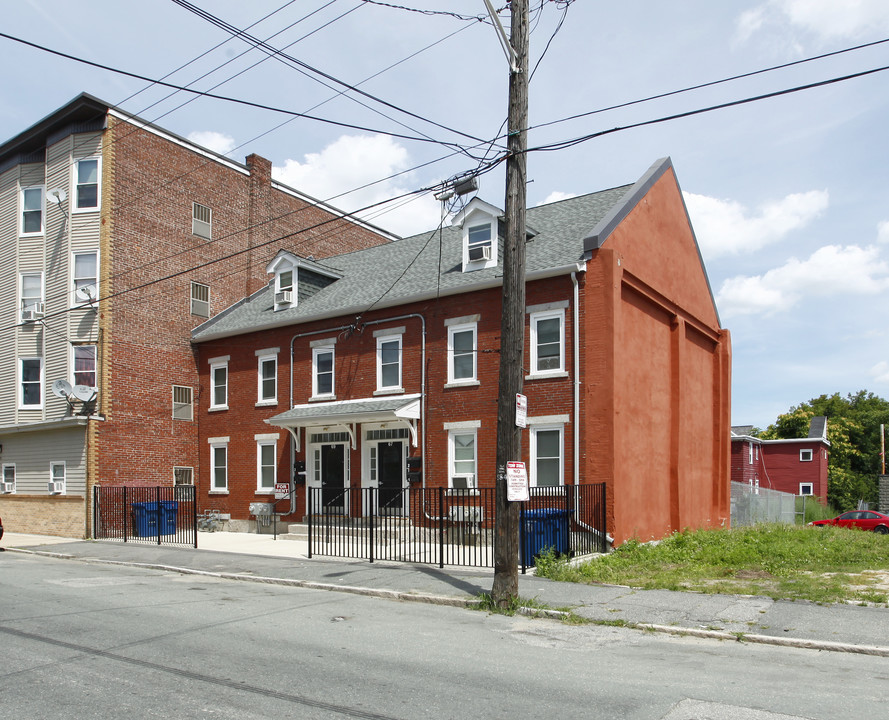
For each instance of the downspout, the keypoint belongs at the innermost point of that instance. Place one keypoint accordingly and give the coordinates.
(292, 433)
(422, 376)
(576, 336)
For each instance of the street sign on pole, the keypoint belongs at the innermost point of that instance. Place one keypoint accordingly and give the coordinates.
(517, 482)
(521, 410)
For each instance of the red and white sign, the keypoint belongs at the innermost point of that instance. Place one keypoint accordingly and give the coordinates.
(282, 490)
(521, 410)
(517, 482)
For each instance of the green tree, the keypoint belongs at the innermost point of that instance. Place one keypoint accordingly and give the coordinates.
(853, 429)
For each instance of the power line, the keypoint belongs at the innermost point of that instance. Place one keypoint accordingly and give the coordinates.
(734, 103)
(268, 48)
(225, 98)
(711, 83)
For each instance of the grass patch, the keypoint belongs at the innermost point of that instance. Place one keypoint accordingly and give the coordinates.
(531, 607)
(780, 561)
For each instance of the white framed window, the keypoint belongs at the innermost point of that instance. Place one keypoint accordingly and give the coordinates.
(30, 383)
(183, 475)
(323, 363)
(462, 352)
(750, 453)
(462, 459)
(201, 220)
(805, 455)
(32, 199)
(548, 342)
(218, 465)
(389, 362)
(183, 402)
(267, 379)
(479, 245)
(86, 184)
(266, 465)
(86, 277)
(57, 478)
(547, 456)
(806, 489)
(31, 295)
(83, 363)
(200, 299)
(219, 383)
(8, 479)
(284, 291)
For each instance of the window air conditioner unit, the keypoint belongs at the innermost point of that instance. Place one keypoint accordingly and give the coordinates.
(462, 513)
(480, 252)
(55, 487)
(283, 297)
(7, 487)
(35, 312)
(463, 482)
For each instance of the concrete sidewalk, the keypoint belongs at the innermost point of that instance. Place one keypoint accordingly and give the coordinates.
(262, 558)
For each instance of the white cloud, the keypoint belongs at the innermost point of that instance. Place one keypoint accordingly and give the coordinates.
(827, 19)
(340, 171)
(880, 372)
(831, 270)
(555, 196)
(725, 227)
(212, 140)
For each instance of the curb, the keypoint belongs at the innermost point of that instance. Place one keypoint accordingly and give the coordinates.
(447, 600)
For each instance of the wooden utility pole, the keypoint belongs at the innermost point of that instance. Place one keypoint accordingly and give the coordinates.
(512, 328)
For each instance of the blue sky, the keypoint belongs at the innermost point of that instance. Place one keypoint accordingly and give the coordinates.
(788, 195)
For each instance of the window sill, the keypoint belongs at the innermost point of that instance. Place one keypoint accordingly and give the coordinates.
(545, 376)
(462, 384)
(218, 492)
(389, 391)
(267, 403)
(218, 408)
(269, 491)
(322, 398)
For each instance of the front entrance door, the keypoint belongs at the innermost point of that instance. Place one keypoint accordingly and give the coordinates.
(390, 463)
(332, 459)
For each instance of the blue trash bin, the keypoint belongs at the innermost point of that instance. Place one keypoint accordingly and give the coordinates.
(145, 519)
(544, 528)
(149, 519)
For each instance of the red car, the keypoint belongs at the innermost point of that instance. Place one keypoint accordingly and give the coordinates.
(861, 519)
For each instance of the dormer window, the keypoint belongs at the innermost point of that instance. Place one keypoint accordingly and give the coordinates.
(479, 243)
(284, 288)
(296, 279)
(479, 223)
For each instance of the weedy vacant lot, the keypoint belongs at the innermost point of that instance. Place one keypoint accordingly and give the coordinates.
(780, 561)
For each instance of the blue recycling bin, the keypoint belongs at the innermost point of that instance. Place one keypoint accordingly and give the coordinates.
(149, 519)
(544, 528)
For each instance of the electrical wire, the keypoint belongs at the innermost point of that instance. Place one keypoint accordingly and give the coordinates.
(310, 69)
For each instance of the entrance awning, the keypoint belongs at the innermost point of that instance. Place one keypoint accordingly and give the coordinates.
(403, 410)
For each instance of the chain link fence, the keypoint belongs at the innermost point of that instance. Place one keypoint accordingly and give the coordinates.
(760, 505)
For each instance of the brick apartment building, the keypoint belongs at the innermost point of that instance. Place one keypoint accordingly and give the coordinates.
(797, 465)
(347, 367)
(117, 239)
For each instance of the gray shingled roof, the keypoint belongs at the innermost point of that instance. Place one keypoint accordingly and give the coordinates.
(419, 267)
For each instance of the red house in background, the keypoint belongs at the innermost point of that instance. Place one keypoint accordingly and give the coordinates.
(345, 368)
(796, 466)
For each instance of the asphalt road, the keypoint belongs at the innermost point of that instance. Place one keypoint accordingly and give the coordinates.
(100, 641)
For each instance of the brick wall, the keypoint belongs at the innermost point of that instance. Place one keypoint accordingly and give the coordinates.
(355, 376)
(150, 185)
(61, 515)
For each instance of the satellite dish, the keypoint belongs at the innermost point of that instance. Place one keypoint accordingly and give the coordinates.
(57, 195)
(84, 392)
(62, 388)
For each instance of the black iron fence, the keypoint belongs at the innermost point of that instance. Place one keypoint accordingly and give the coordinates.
(159, 515)
(451, 527)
